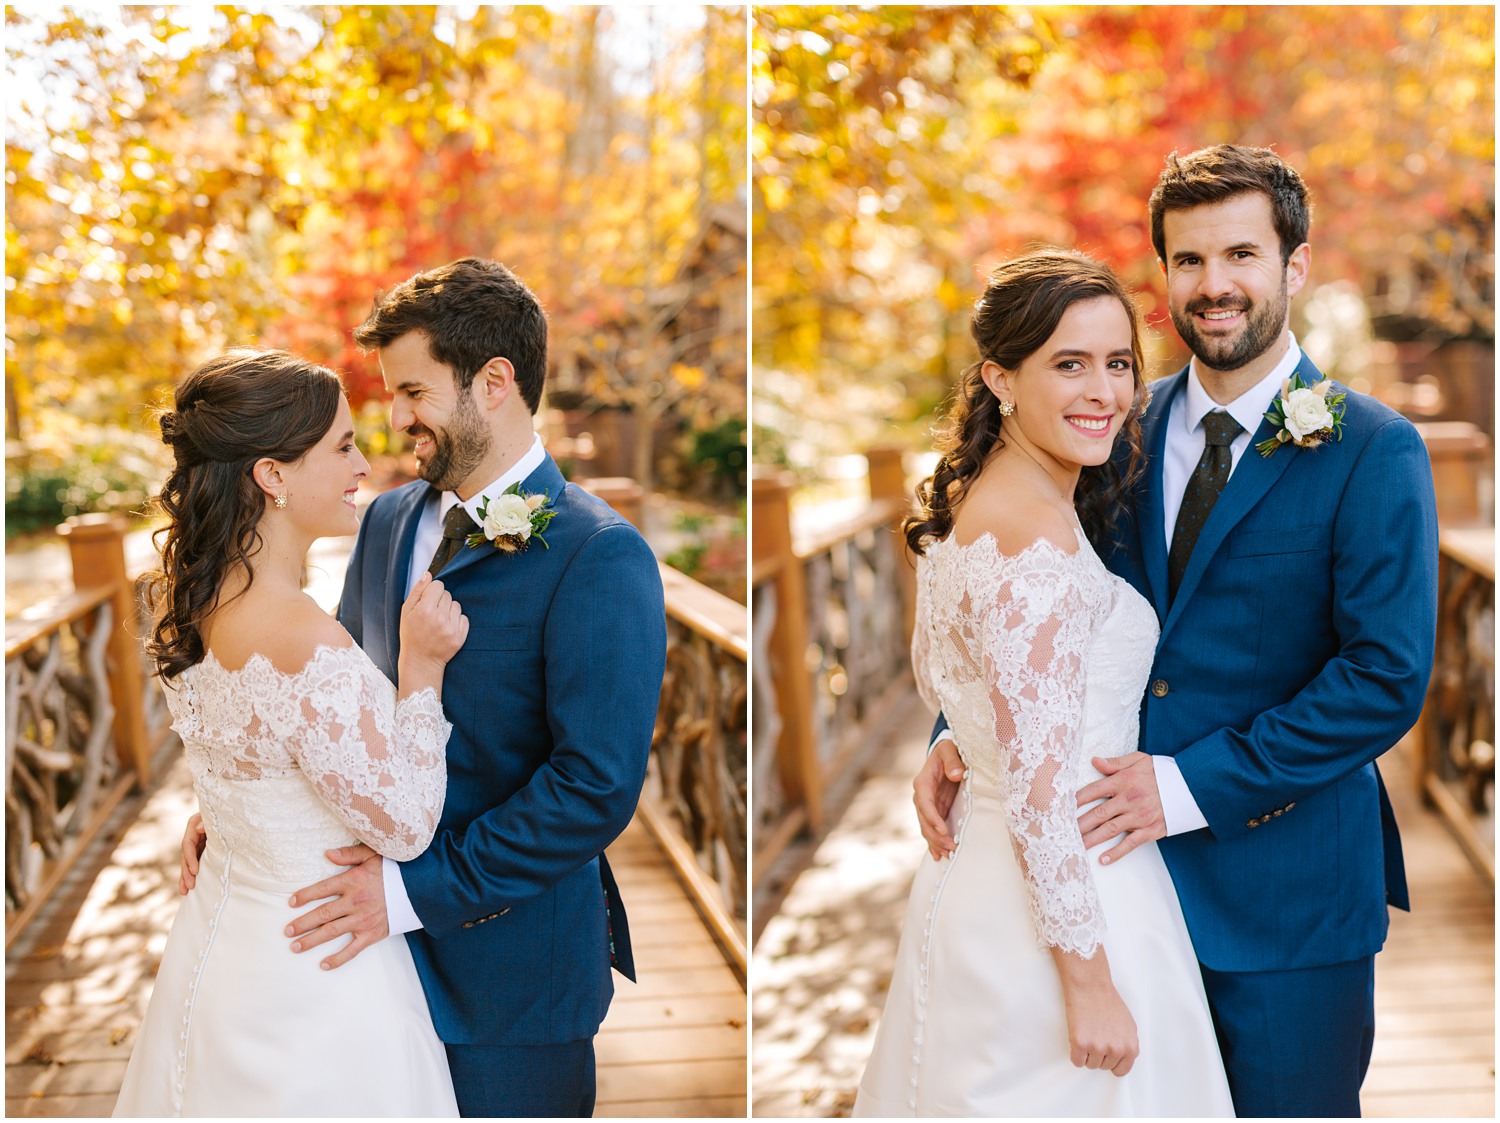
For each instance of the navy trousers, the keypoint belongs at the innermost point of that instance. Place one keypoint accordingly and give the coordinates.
(524, 1081)
(1295, 1043)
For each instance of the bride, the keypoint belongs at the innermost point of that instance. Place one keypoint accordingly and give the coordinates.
(1030, 980)
(297, 744)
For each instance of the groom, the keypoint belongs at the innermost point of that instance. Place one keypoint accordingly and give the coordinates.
(1297, 596)
(512, 913)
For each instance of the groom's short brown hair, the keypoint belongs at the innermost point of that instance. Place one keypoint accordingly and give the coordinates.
(471, 310)
(1211, 175)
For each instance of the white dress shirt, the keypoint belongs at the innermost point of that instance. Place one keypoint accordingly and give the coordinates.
(400, 915)
(1180, 455)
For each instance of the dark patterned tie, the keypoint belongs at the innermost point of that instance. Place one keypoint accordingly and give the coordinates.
(1203, 488)
(458, 524)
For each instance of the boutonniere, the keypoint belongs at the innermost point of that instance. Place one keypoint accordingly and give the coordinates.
(1307, 416)
(512, 520)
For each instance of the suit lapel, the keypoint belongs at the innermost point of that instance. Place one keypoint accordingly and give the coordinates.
(1153, 512)
(546, 477)
(1253, 477)
(403, 538)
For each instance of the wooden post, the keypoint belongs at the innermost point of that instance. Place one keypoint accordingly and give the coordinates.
(887, 469)
(796, 751)
(97, 546)
(620, 492)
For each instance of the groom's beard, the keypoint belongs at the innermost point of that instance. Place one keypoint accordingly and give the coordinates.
(1262, 328)
(456, 450)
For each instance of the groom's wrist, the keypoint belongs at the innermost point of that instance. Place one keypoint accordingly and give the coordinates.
(400, 916)
(1179, 810)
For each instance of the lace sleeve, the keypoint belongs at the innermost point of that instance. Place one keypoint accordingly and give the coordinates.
(921, 641)
(1035, 637)
(380, 764)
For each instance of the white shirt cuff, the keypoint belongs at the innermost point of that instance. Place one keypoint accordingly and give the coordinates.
(945, 735)
(400, 917)
(1179, 809)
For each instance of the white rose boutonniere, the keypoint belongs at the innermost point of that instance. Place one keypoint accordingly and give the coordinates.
(511, 520)
(1306, 416)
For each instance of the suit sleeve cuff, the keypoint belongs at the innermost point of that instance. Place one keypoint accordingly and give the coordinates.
(1178, 807)
(399, 914)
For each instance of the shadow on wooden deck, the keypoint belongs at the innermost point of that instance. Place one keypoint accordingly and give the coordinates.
(77, 982)
(821, 965)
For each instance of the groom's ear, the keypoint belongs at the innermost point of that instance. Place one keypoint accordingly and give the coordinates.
(495, 383)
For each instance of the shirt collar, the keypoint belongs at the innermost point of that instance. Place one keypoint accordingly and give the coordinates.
(1250, 407)
(530, 461)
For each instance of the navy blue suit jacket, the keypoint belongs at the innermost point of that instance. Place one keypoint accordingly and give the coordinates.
(1296, 651)
(553, 698)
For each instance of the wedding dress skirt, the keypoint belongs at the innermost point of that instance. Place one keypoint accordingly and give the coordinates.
(240, 1025)
(287, 767)
(974, 1022)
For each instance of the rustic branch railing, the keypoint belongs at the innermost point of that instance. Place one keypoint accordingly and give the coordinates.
(1457, 761)
(84, 717)
(696, 787)
(833, 614)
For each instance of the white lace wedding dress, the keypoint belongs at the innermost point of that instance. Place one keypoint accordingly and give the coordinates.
(1039, 662)
(287, 766)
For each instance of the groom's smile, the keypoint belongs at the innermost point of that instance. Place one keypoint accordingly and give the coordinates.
(450, 438)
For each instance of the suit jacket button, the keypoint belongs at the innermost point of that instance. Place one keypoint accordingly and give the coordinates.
(1252, 823)
(1160, 688)
(468, 924)
(1277, 812)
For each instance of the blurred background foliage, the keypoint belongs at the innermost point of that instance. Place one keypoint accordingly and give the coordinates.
(899, 153)
(183, 178)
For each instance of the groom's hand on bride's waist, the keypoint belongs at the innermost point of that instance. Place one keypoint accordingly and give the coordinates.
(1132, 805)
(356, 908)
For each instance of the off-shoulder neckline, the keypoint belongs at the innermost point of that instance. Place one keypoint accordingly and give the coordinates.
(256, 658)
(1039, 544)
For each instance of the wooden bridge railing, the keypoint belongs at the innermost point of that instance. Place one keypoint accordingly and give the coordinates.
(696, 786)
(832, 625)
(1456, 765)
(84, 719)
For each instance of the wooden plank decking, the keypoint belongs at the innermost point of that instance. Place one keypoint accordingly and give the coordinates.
(78, 981)
(822, 962)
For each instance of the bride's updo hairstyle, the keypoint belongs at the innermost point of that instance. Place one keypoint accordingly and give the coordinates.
(232, 411)
(1021, 307)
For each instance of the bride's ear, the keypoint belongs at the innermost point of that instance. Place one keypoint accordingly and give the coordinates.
(997, 378)
(268, 477)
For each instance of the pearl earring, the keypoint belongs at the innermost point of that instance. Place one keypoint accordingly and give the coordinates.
(1007, 408)
(280, 502)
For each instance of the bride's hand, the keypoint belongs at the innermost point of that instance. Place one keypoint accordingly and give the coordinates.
(433, 625)
(1101, 1031)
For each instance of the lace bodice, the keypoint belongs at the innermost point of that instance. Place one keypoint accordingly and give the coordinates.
(287, 766)
(1038, 660)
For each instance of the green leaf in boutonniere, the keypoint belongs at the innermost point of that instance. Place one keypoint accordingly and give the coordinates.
(1306, 416)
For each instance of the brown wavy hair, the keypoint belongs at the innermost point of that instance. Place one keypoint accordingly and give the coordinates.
(1020, 309)
(232, 411)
